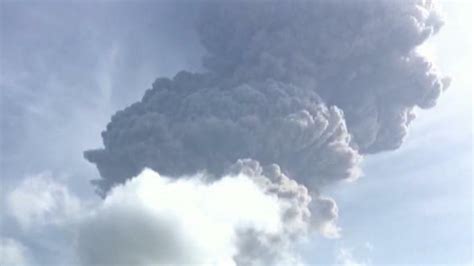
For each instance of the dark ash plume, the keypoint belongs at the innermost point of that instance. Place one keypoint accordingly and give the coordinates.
(184, 125)
(307, 87)
(358, 55)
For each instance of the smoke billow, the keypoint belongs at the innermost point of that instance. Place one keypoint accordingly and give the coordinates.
(357, 55)
(303, 88)
(180, 128)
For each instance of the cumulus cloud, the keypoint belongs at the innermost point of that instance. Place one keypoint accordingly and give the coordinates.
(251, 216)
(12, 252)
(154, 220)
(39, 200)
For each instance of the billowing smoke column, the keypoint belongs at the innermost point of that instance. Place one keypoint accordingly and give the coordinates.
(188, 125)
(310, 86)
(357, 55)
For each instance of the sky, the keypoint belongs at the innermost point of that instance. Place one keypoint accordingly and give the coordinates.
(66, 68)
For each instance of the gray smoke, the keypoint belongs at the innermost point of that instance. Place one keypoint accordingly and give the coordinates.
(308, 85)
(358, 55)
(305, 86)
(184, 125)
(259, 248)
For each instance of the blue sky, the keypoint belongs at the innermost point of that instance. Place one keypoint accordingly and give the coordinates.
(67, 67)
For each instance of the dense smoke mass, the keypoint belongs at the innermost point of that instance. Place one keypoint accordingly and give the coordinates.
(308, 85)
(296, 91)
(181, 127)
(358, 55)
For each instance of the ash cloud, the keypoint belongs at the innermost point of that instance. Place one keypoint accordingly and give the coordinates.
(357, 55)
(303, 88)
(309, 85)
(181, 127)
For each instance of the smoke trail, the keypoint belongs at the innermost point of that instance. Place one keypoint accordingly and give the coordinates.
(306, 86)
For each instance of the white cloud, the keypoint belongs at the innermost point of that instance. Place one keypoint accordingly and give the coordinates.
(344, 257)
(153, 220)
(12, 253)
(39, 200)
(241, 219)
